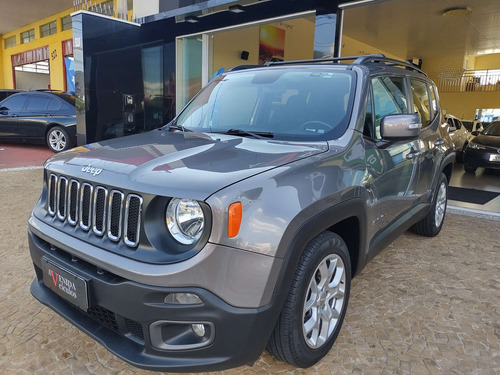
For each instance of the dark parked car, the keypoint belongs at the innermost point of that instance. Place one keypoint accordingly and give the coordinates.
(484, 149)
(39, 117)
(241, 223)
(4, 93)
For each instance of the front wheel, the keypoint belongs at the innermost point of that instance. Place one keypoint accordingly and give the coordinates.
(432, 223)
(58, 139)
(316, 304)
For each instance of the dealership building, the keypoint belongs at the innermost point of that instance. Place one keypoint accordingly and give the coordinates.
(136, 63)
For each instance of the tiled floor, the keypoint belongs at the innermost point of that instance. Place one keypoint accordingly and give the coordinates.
(482, 180)
(423, 306)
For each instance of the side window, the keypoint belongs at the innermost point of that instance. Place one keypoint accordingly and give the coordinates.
(388, 98)
(15, 103)
(434, 106)
(459, 124)
(421, 102)
(37, 103)
(53, 105)
(451, 124)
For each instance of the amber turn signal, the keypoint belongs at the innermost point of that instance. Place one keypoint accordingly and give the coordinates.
(234, 219)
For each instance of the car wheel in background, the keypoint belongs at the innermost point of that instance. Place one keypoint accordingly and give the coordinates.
(58, 139)
(313, 313)
(469, 168)
(432, 223)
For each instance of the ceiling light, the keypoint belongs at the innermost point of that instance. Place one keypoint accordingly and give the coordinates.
(236, 8)
(457, 12)
(191, 19)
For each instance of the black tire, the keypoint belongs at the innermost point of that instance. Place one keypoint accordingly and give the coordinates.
(470, 168)
(59, 133)
(428, 226)
(287, 342)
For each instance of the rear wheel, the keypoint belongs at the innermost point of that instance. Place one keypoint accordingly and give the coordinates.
(316, 304)
(58, 139)
(432, 223)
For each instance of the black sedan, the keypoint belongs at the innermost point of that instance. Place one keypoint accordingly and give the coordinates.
(39, 117)
(484, 150)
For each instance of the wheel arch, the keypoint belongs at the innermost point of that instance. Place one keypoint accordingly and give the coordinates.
(347, 219)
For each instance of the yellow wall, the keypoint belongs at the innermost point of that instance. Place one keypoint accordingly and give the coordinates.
(299, 43)
(54, 42)
(464, 104)
(488, 62)
(353, 47)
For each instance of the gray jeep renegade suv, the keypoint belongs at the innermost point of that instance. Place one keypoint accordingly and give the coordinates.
(240, 224)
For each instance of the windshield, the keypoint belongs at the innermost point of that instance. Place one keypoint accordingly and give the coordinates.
(291, 103)
(492, 129)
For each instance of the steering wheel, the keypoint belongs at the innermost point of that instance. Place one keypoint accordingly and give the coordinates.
(316, 129)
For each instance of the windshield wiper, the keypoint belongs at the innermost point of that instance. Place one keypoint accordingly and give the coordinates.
(178, 127)
(241, 132)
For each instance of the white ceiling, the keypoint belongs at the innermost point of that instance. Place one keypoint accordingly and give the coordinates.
(417, 29)
(18, 13)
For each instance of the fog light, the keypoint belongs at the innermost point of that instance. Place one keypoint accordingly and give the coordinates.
(199, 329)
(182, 299)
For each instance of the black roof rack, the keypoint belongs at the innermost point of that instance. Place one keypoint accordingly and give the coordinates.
(357, 60)
(243, 67)
(380, 58)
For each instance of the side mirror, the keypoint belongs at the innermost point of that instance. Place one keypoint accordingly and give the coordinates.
(476, 132)
(400, 127)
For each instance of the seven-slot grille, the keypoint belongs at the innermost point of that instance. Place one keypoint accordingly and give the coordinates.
(94, 208)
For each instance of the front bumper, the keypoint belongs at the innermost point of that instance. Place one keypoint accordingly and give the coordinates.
(124, 314)
(481, 158)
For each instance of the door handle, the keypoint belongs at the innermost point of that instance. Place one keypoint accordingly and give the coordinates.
(439, 142)
(412, 154)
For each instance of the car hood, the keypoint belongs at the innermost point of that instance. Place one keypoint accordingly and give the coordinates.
(191, 165)
(487, 140)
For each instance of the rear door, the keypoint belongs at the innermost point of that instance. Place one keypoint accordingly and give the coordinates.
(392, 169)
(12, 107)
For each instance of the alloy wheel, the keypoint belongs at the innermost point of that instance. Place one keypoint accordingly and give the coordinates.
(324, 301)
(57, 140)
(440, 205)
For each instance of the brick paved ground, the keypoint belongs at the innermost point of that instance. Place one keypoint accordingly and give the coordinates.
(14, 155)
(423, 306)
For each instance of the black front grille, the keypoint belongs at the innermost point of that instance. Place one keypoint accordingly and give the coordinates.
(133, 219)
(85, 200)
(104, 316)
(90, 207)
(99, 209)
(115, 215)
(73, 202)
(134, 328)
(61, 197)
(52, 194)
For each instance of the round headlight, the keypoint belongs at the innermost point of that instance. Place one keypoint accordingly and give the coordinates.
(185, 220)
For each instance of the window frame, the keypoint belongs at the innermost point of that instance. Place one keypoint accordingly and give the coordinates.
(409, 101)
(6, 42)
(29, 36)
(51, 30)
(70, 23)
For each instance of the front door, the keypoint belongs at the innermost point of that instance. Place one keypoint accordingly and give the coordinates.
(10, 110)
(392, 167)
